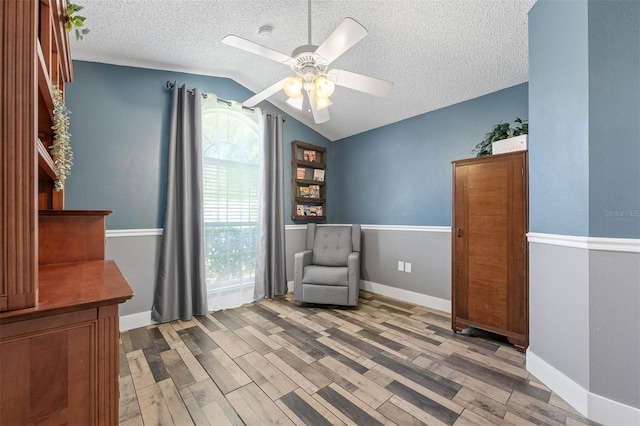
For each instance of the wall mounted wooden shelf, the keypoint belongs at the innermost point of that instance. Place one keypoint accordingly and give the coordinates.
(312, 207)
(46, 166)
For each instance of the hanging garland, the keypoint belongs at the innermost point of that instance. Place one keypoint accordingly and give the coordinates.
(61, 147)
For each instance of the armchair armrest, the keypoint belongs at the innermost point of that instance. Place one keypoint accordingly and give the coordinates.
(353, 262)
(304, 257)
(300, 260)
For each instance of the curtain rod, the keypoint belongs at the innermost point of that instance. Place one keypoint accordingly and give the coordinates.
(171, 85)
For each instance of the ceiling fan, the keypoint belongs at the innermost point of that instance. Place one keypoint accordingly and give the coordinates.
(310, 64)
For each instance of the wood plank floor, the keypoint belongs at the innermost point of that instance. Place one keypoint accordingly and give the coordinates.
(273, 362)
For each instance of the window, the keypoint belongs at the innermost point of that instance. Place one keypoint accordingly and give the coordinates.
(230, 173)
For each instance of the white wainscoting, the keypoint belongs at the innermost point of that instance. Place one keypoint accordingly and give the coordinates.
(595, 407)
(605, 265)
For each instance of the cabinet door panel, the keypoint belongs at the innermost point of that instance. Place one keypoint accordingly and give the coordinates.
(48, 378)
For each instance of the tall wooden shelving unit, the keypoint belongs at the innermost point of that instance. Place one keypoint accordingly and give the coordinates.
(58, 295)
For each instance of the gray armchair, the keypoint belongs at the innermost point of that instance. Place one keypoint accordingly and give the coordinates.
(328, 271)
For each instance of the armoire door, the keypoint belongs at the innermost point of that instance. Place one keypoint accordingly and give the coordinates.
(490, 262)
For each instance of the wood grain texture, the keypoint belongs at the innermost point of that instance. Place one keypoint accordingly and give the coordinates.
(71, 236)
(489, 247)
(60, 293)
(64, 352)
(386, 362)
(18, 175)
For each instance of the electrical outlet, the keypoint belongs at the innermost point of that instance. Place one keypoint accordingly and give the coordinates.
(400, 265)
(407, 267)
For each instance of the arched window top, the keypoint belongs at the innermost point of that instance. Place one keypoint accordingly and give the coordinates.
(229, 133)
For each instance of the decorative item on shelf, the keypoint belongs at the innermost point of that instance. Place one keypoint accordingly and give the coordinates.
(315, 210)
(311, 191)
(61, 147)
(500, 132)
(73, 21)
(309, 155)
(301, 173)
(307, 210)
(314, 191)
(318, 175)
(304, 191)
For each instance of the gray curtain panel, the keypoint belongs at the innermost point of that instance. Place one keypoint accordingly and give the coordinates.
(271, 272)
(181, 289)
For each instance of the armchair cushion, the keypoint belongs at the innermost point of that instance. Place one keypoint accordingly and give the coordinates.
(326, 275)
(332, 245)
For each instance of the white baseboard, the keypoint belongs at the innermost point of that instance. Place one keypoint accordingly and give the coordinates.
(590, 405)
(566, 388)
(137, 320)
(609, 412)
(443, 305)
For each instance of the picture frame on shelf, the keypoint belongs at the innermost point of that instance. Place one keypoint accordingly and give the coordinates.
(309, 155)
(301, 173)
(318, 175)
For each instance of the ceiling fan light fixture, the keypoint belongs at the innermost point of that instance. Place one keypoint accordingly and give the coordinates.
(296, 102)
(293, 87)
(322, 102)
(324, 87)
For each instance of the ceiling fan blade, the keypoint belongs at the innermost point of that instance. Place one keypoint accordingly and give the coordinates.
(261, 96)
(255, 48)
(348, 33)
(361, 82)
(319, 115)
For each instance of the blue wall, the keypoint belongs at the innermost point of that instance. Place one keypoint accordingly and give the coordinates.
(584, 91)
(400, 174)
(614, 118)
(119, 128)
(559, 98)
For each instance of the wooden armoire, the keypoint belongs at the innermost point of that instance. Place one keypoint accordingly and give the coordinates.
(59, 323)
(490, 285)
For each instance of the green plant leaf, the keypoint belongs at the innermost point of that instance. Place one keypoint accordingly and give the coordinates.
(500, 131)
(74, 21)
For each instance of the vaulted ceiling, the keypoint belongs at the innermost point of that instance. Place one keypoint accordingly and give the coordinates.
(437, 52)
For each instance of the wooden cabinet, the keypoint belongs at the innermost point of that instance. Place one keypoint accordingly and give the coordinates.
(59, 359)
(308, 190)
(490, 260)
(59, 297)
(34, 55)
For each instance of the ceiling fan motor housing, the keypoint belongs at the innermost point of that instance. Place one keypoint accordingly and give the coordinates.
(307, 64)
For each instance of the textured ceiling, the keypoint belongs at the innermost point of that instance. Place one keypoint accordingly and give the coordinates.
(437, 53)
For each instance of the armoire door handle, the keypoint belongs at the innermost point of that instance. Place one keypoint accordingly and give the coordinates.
(458, 232)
